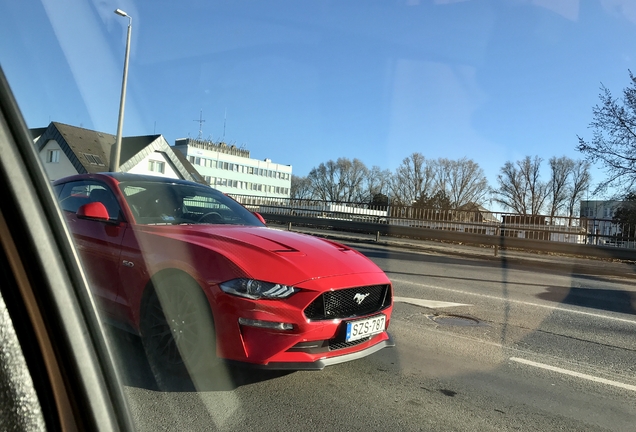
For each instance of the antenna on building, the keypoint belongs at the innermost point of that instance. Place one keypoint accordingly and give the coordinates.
(201, 121)
(224, 121)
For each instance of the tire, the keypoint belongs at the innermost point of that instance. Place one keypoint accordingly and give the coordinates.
(177, 332)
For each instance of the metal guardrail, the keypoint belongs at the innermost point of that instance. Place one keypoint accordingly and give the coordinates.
(572, 236)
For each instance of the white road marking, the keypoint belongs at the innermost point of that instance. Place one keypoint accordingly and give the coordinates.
(517, 301)
(431, 304)
(574, 374)
(518, 351)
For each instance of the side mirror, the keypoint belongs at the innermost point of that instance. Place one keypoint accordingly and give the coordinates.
(95, 211)
(259, 217)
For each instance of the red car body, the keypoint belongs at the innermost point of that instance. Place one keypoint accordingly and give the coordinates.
(333, 285)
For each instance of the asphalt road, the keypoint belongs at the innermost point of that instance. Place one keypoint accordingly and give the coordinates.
(480, 345)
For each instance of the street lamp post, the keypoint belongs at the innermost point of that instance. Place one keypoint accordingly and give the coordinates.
(114, 160)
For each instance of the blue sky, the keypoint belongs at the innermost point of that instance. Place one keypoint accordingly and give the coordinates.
(306, 81)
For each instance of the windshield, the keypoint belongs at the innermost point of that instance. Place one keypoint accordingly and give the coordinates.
(448, 189)
(154, 203)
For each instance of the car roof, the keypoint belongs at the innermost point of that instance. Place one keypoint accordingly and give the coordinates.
(123, 177)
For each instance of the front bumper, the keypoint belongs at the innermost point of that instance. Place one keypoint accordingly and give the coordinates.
(322, 363)
(312, 344)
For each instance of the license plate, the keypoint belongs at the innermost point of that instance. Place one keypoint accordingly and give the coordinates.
(365, 328)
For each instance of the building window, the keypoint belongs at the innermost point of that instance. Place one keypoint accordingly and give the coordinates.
(156, 166)
(191, 159)
(93, 159)
(53, 156)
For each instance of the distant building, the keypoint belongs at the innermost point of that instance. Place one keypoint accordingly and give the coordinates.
(231, 170)
(599, 209)
(473, 212)
(66, 150)
(597, 216)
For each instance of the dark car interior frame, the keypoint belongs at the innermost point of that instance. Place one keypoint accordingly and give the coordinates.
(68, 364)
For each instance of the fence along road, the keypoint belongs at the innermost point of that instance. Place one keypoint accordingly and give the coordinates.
(569, 236)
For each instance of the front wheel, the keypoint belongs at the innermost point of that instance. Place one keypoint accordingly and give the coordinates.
(177, 332)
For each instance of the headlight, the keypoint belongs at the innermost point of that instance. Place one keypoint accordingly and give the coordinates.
(254, 289)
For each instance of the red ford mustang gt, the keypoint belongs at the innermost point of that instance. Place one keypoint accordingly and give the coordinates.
(199, 277)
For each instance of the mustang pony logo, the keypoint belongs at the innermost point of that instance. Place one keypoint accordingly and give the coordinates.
(359, 298)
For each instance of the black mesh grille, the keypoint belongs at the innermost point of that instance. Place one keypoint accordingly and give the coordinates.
(350, 302)
(336, 345)
(316, 347)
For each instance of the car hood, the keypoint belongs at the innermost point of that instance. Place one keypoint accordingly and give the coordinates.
(270, 254)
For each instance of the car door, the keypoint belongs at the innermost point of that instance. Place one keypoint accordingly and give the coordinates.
(98, 242)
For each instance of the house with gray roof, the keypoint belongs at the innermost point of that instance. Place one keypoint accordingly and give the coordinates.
(66, 150)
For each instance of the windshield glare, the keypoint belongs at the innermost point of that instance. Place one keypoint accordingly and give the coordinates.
(174, 204)
(447, 191)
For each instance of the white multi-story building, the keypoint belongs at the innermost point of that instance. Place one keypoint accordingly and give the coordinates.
(231, 170)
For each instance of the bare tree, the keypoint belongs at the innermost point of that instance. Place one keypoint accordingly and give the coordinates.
(537, 190)
(511, 193)
(580, 182)
(354, 174)
(300, 188)
(613, 141)
(378, 181)
(325, 181)
(560, 170)
(440, 168)
(413, 178)
(520, 187)
(339, 181)
(463, 181)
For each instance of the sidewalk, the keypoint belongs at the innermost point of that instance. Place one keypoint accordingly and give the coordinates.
(507, 258)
